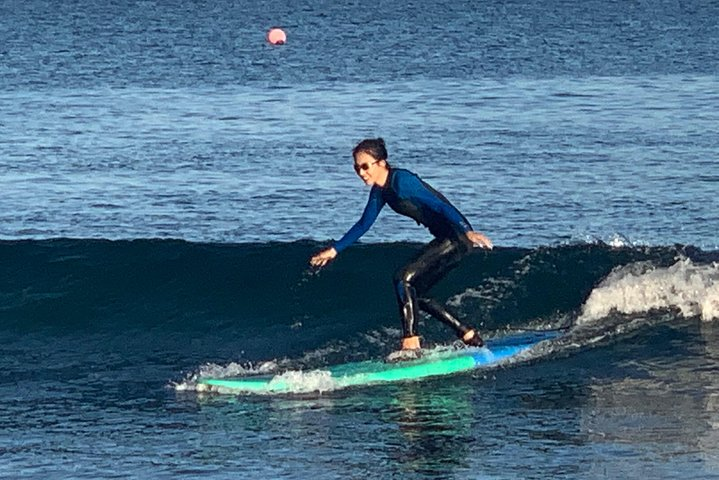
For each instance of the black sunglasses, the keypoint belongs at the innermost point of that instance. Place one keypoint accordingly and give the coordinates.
(364, 167)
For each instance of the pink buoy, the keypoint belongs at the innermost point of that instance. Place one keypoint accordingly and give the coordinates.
(276, 36)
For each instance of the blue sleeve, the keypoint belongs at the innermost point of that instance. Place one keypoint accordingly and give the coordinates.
(432, 199)
(371, 211)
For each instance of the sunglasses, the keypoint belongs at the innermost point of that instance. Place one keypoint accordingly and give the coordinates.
(364, 167)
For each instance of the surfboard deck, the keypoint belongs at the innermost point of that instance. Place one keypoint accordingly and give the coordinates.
(432, 363)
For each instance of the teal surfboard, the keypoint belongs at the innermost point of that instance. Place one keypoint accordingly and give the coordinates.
(440, 361)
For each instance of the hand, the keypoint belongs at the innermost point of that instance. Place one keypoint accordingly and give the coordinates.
(480, 240)
(324, 257)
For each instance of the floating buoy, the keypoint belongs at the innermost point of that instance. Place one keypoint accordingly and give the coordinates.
(276, 36)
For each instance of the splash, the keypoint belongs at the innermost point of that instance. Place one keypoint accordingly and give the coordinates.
(291, 382)
(303, 382)
(232, 369)
(639, 287)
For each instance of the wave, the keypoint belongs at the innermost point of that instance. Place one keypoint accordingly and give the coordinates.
(256, 287)
(237, 309)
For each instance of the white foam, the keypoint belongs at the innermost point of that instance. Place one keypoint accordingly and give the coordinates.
(619, 241)
(298, 381)
(640, 287)
(213, 370)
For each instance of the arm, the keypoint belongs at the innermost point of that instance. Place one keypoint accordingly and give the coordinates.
(371, 211)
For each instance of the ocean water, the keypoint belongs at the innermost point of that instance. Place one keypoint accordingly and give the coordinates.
(165, 174)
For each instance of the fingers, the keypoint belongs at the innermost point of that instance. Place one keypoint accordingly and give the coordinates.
(323, 258)
(319, 262)
(480, 240)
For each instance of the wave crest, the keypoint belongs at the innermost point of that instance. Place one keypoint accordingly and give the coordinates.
(690, 288)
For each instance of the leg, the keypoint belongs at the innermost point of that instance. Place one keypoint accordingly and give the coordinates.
(407, 302)
(406, 293)
(430, 266)
(433, 307)
(470, 336)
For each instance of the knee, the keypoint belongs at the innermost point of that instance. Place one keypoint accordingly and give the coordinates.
(402, 283)
(403, 276)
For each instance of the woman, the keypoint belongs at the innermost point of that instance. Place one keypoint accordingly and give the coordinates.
(408, 195)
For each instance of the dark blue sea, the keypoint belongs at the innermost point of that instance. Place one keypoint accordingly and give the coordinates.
(165, 174)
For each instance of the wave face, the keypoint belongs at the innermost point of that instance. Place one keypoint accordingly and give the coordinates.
(262, 296)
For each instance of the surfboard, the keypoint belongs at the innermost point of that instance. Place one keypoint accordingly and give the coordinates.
(432, 363)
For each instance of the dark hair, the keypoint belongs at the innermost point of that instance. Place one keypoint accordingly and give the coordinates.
(371, 146)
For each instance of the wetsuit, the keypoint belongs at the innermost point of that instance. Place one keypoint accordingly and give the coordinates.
(408, 195)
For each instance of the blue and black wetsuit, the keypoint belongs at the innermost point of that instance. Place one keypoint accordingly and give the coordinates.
(408, 195)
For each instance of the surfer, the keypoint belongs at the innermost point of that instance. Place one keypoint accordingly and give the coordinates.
(408, 195)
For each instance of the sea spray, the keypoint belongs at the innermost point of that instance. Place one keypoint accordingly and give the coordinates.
(232, 369)
(639, 287)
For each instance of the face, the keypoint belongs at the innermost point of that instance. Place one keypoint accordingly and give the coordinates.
(370, 170)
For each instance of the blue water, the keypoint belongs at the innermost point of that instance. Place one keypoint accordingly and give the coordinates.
(165, 174)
